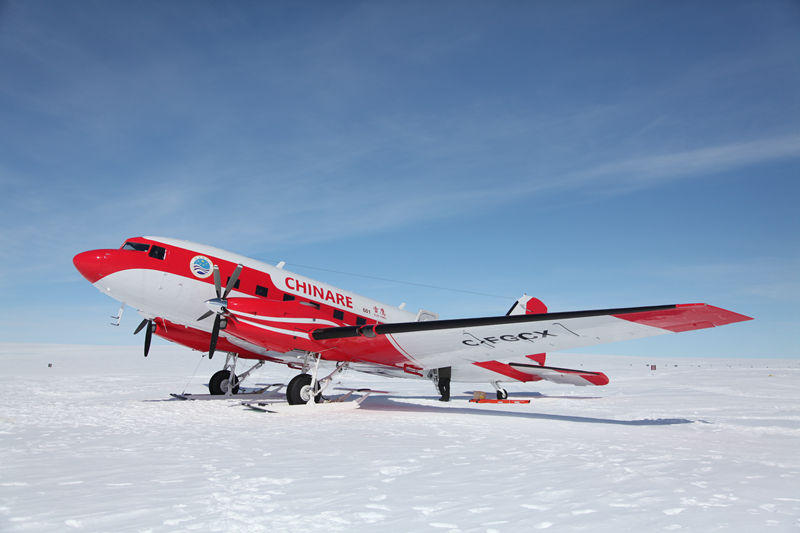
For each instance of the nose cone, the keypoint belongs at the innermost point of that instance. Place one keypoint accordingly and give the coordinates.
(93, 264)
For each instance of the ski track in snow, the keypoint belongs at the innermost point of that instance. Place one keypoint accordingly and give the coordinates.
(708, 445)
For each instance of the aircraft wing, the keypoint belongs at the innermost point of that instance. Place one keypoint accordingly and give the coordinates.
(441, 343)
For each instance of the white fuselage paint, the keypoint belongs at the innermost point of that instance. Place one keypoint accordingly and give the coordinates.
(181, 299)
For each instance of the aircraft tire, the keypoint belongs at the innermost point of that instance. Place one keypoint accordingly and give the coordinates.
(294, 391)
(502, 394)
(218, 383)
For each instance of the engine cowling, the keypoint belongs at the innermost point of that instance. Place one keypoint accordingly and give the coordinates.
(277, 325)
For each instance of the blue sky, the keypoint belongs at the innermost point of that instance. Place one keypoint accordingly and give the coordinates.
(597, 154)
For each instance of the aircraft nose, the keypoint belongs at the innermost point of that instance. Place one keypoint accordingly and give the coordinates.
(93, 264)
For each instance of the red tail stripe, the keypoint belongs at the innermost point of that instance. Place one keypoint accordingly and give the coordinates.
(507, 370)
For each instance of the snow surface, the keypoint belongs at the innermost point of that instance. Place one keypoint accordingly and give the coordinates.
(88, 445)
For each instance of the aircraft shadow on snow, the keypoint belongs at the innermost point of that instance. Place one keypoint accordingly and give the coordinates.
(396, 403)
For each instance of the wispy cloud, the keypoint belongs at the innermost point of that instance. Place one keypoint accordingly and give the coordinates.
(651, 170)
(770, 278)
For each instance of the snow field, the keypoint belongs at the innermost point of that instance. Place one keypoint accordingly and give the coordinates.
(705, 446)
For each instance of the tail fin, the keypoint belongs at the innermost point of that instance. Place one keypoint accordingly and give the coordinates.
(538, 357)
(528, 305)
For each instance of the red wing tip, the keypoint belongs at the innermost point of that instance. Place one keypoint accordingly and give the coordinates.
(686, 317)
(598, 378)
(723, 315)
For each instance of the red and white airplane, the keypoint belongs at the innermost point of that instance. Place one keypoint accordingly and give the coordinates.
(265, 313)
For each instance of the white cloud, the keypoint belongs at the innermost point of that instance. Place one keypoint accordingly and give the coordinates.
(653, 169)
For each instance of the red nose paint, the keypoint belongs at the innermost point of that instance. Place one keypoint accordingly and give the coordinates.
(96, 264)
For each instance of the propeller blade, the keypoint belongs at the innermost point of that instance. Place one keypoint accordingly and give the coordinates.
(232, 281)
(217, 282)
(205, 315)
(140, 326)
(214, 336)
(148, 336)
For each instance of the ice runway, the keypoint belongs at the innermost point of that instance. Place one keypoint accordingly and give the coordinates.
(707, 445)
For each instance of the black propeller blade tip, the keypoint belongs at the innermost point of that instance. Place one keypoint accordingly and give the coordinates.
(148, 337)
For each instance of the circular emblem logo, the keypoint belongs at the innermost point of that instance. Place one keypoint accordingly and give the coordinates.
(200, 266)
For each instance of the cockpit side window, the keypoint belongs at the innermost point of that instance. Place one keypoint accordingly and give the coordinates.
(158, 252)
(136, 246)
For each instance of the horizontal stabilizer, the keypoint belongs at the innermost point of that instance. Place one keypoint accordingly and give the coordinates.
(563, 375)
(526, 372)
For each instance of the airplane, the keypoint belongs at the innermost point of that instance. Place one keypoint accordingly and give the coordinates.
(265, 313)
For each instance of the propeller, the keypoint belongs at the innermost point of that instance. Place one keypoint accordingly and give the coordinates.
(218, 306)
(148, 334)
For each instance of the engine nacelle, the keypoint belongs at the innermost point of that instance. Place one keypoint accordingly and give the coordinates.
(278, 325)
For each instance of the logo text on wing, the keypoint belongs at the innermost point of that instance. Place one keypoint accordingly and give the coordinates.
(524, 336)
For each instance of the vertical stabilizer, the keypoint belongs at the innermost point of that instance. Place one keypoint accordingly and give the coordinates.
(527, 305)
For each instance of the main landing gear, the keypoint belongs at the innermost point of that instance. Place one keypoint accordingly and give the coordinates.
(303, 386)
(299, 391)
(222, 382)
(226, 381)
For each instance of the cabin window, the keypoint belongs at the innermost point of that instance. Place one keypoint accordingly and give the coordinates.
(360, 321)
(236, 285)
(136, 246)
(338, 315)
(261, 291)
(288, 297)
(157, 252)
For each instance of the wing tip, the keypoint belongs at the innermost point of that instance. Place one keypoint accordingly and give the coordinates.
(722, 316)
(686, 317)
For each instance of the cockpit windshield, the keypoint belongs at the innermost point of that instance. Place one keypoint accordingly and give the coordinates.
(135, 246)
